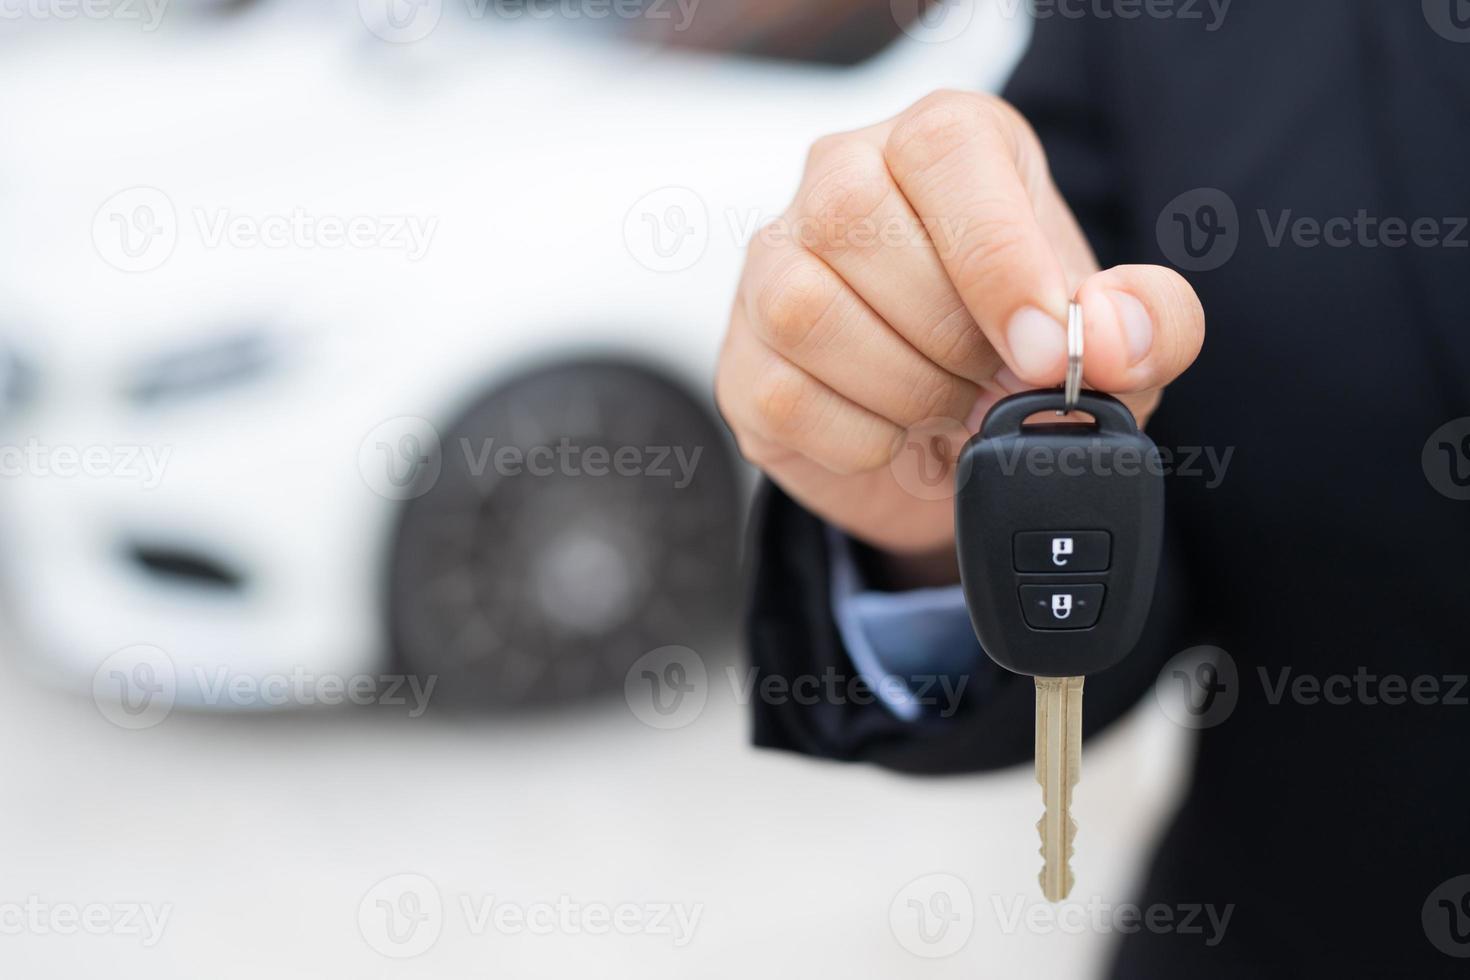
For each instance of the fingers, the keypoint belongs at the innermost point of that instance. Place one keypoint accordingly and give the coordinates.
(854, 217)
(1145, 326)
(801, 310)
(973, 168)
(776, 410)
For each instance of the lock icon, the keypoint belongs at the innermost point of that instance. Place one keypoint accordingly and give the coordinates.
(1060, 548)
(1061, 605)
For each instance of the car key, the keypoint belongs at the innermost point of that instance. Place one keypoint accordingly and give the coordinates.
(1058, 531)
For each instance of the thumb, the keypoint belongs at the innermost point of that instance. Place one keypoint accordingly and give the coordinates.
(1144, 324)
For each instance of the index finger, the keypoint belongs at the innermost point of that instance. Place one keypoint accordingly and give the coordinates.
(972, 168)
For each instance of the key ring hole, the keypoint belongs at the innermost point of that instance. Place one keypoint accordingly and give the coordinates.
(1051, 419)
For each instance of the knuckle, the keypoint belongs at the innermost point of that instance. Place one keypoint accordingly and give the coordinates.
(779, 397)
(937, 124)
(866, 455)
(790, 303)
(841, 197)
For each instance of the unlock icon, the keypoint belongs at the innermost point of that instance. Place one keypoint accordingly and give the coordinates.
(1060, 549)
(1061, 605)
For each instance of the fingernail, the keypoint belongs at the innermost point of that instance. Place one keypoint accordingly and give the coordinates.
(1038, 345)
(1138, 326)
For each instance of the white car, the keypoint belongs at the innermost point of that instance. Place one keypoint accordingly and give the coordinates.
(337, 354)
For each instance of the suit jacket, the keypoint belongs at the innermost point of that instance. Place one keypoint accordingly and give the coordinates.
(1334, 548)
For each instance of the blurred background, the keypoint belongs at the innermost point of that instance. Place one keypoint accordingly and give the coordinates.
(360, 482)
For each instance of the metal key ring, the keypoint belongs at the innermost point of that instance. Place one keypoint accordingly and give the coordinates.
(1072, 391)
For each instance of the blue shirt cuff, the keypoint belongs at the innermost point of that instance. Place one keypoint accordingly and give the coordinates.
(916, 650)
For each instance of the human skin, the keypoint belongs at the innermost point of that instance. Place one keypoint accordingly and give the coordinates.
(922, 273)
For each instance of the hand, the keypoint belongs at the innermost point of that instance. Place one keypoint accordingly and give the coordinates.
(923, 272)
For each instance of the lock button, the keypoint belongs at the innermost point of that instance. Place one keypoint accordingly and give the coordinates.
(1061, 607)
(1063, 551)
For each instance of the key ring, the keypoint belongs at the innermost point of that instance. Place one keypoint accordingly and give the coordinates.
(1072, 391)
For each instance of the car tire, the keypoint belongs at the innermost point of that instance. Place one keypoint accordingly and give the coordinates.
(536, 569)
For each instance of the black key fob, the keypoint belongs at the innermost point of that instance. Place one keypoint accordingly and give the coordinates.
(1058, 528)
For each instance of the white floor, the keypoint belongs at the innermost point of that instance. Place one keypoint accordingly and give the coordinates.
(261, 838)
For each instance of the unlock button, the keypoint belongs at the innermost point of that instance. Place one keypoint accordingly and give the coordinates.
(1061, 607)
(1063, 551)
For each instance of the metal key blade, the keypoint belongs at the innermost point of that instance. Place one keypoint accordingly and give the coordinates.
(1058, 766)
